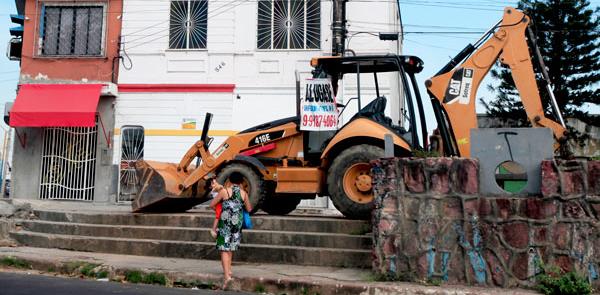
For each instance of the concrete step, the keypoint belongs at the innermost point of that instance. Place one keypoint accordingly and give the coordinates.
(332, 225)
(281, 238)
(197, 250)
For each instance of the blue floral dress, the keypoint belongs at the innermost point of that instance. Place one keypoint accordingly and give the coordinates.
(229, 231)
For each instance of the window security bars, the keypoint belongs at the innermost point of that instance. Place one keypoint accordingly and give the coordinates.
(72, 30)
(289, 24)
(68, 163)
(187, 28)
(132, 151)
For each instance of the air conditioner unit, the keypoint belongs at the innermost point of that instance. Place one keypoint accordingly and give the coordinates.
(15, 46)
(7, 107)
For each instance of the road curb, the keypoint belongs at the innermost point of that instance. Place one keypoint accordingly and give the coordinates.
(299, 285)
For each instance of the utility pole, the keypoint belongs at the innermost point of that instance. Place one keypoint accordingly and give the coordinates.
(5, 148)
(338, 28)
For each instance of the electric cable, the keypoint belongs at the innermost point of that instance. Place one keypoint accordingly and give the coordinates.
(240, 2)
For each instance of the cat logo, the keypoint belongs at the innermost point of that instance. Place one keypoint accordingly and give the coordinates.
(459, 87)
(454, 87)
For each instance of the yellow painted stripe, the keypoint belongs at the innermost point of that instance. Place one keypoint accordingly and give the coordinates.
(183, 132)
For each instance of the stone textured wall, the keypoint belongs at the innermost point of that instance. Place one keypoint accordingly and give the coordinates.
(431, 223)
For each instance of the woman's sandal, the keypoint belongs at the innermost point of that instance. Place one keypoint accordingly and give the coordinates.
(227, 283)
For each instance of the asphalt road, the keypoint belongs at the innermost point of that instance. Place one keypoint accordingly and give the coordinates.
(24, 284)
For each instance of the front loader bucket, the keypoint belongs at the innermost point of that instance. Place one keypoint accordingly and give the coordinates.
(159, 189)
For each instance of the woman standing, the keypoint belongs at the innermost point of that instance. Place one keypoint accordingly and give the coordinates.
(229, 230)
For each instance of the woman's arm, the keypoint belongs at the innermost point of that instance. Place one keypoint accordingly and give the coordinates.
(219, 197)
(216, 200)
(246, 201)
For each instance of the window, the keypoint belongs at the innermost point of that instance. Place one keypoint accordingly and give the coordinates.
(289, 24)
(72, 30)
(187, 29)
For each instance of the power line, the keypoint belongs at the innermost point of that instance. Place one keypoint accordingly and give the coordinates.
(430, 45)
(209, 17)
(414, 25)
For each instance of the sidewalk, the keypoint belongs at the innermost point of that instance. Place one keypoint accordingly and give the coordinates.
(271, 278)
(90, 207)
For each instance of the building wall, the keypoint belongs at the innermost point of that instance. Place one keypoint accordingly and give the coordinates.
(263, 79)
(27, 158)
(590, 145)
(431, 222)
(36, 68)
(106, 173)
(26, 162)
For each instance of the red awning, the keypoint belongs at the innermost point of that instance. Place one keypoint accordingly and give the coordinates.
(55, 105)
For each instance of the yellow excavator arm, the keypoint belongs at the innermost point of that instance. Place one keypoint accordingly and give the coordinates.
(455, 87)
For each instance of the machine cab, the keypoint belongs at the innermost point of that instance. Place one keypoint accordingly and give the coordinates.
(366, 72)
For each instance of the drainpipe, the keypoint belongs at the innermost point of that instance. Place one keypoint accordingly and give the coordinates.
(338, 28)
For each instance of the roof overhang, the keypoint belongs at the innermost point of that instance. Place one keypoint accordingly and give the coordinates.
(55, 105)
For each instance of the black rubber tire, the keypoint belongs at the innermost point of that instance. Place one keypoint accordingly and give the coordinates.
(362, 153)
(256, 187)
(280, 204)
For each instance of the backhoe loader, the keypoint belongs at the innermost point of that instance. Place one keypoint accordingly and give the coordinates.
(283, 164)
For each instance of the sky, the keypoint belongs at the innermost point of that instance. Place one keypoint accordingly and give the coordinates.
(417, 16)
(9, 70)
(437, 49)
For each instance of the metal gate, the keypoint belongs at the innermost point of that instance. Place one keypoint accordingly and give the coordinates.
(68, 163)
(132, 150)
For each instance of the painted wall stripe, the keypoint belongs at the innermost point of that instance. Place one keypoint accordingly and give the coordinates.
(175, 132)
(176, 88)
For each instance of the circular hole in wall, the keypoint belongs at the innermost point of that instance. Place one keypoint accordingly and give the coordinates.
(511, 176)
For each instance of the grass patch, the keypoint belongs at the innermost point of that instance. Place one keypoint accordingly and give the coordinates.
(88, 269)
(554, 281)
(434, 282)
(425, 154)
(306, 291)
(71, 266)
(15, 262)
(133, 276)
(392, 277)
(154, 278)
(102, 274)
(259, 288)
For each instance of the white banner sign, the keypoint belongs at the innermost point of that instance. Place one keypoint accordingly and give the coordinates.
(317, 108)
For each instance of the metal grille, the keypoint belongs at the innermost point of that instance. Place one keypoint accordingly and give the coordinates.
(68, 163)
(289, 24)
(187, 28)
(72, 30)
(132, 151)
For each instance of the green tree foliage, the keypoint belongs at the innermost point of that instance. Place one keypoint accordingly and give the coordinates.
(568, 35)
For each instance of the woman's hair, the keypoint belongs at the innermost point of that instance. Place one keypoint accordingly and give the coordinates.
(236, 178)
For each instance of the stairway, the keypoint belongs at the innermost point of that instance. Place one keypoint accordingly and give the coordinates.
(300, 239)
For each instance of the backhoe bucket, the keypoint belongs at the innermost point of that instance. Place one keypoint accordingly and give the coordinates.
(159, 189)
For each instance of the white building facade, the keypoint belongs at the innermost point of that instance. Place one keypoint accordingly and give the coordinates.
(236, 59)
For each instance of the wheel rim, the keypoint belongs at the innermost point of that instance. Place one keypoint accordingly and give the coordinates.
(357, 183)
